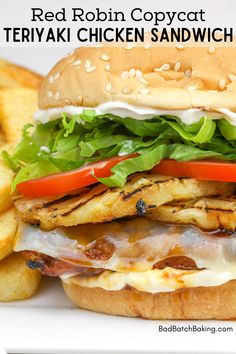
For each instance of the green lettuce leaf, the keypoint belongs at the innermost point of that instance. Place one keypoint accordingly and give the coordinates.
(152, 157)
(71, 142)
(227, 130)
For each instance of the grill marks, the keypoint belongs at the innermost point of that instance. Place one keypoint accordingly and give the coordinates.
(67, 197)
(95, 193)
(137, 190)
(99, 204)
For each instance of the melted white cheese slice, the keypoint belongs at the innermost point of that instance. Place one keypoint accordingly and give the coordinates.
(138, 245)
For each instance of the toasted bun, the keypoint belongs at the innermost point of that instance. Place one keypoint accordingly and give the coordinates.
(218, 302)
(191, 77)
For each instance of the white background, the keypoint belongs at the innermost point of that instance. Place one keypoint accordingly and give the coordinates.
(39, 59)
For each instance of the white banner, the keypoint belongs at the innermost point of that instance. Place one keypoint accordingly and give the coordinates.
(73, 23)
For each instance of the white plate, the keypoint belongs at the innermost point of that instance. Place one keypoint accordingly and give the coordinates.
(48, 323)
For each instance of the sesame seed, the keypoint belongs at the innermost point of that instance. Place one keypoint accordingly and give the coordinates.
(77, 62)
(143, 81)
(221, 84)
(57, 95)
(147, 45)
(144, 91)
(124, 75)
(87, 64)
(179, 46)
(177, 66)
(157, 69)
(79, 98)
(107, 67)
(90, 69)
(51, 79)
(105, 57)
(139, 73)
(127, 90)
(50, 94)
(132, 73)
(57, 75)
(108, 87)
(165, 67)
(187, 73)
(232, 77)
(211, 49)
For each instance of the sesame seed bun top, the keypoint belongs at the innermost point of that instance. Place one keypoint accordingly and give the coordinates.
(175, 77)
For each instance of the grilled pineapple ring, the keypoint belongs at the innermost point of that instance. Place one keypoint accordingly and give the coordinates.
(142, 193)
(206, 213)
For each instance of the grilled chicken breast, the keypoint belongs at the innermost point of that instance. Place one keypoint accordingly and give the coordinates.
(142, 193)
(206, 213)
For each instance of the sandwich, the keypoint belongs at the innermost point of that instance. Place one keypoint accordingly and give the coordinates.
(125, 185)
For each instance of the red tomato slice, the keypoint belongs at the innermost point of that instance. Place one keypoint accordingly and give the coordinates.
(207, 170)
(66, 182)
(69, 181)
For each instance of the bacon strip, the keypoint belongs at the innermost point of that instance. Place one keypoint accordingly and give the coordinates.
(55, 267)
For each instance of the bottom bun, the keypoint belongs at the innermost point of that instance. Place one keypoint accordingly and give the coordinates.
(216, 302)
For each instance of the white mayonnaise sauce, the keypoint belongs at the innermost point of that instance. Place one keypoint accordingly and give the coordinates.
(154, 281)
(187, 116)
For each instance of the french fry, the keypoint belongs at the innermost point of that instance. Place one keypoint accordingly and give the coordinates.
(17, 107)
(8, 228)
(6, 176)
(17, 281)
(18, 102)
(12, 75)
